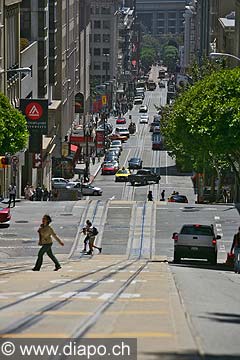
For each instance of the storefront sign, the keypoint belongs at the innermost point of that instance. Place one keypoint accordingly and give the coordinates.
(36, 113)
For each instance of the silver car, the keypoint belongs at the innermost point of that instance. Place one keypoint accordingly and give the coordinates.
(84, 189)
(59, 183)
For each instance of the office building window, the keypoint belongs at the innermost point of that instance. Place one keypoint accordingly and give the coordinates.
(106, 24)
(97, 65)
(106, 51)
(97, 24)
(160, 15)
(97, 10)
(97, 52)
(106, 66)
(97, 37)
(172, 15)
(172, 23)
(106, 38)
(106, 11)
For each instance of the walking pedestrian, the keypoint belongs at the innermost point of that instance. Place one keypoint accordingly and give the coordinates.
(93, 160)
(86, 239)
(12, 191)
(150, 196)
(225, 195)
(39, 193)
(236, 248)
(92, 233)
(46, 233)
(163, 195)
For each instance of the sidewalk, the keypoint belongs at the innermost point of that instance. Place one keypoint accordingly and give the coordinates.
(93, 169)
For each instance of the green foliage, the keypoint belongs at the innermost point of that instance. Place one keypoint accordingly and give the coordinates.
(204, 123)
(148, 56)
(149, 41)
(207, 67)
(13, 128)
(170, 57)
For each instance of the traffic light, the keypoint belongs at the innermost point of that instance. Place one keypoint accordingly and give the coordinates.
(5, 161)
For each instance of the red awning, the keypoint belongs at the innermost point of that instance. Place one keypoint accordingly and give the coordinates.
(73, 148)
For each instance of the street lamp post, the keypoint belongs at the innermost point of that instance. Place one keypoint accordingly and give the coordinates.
(218, 54)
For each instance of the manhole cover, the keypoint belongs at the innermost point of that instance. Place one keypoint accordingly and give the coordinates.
(66, 214)
(21, 221)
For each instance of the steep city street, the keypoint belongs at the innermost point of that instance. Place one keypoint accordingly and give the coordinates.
(133, 289)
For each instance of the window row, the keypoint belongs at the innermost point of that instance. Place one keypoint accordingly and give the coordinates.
(102, 24)
(103, 10)
(97, 38)
(97, 65)
(99, 52)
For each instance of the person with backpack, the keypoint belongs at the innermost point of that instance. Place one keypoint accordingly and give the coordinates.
(236, 248)
(85, 232)
(92, 233)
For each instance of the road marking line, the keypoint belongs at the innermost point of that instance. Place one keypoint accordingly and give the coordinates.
(218, 225)
(217, 217)
(36, 335)
(130, 334)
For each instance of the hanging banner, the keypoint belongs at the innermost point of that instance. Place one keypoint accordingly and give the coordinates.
(36, 113)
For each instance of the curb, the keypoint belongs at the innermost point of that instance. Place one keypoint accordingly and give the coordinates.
(92, 177)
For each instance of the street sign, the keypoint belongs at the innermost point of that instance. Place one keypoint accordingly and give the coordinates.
(37, 160)
(14, 160)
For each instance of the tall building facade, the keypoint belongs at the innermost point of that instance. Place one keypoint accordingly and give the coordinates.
(161, 17)
(104, 40)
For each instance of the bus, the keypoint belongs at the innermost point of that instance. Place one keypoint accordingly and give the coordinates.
(157, 141)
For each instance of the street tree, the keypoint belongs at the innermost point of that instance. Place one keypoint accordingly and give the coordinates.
(170, 57)
(204, 123)
(148, 56)
(13, 128)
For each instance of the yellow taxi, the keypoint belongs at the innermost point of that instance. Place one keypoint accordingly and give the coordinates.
(122, 175)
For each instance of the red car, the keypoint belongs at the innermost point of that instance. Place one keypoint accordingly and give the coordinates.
(110, 168)
(121, 120)
(5, 216)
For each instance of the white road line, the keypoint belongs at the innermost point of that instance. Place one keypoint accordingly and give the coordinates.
(217, 217)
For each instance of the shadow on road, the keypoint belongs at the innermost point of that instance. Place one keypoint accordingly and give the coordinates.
(223, 317)
(202, 265)
(188, 356)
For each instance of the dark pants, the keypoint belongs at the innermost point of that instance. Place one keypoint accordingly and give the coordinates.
(45, 249)
(12, 198)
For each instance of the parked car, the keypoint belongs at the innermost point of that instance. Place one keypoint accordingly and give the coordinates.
(110, 158)
(117, 136)
(138, 100)
(144, 176)
(144, 119)
(135, 163)
(178, 198)
(197, 242)
(121, 120)
(116, 143)
(84, 189)
(59, 183)
(110, 168)
(143, 109)
(122, 175)
(5, 216)
(115, 151)
(153, 125)
(108, 128)
(122, 131)
(117, 148)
